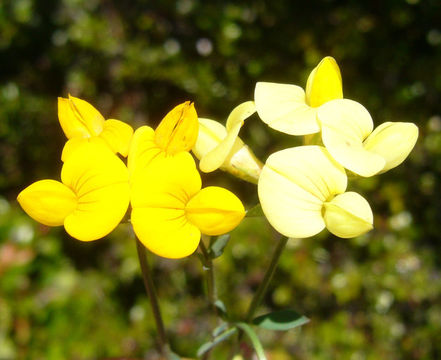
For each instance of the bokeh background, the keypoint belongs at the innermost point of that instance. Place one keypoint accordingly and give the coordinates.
(373, 297)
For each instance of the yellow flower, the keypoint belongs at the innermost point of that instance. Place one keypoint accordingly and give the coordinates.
(176, 133)
(287, 108)
(81, 123)
(219, 146)
(347, 134)
(302, 191)
(170, 211)
(91, 198)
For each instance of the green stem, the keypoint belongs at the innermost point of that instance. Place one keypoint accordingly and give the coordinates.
(151, 293)
(258, 296)
(211, 286)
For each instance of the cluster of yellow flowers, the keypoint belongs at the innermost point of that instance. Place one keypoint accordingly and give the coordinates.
(169, 210)
(302, 189)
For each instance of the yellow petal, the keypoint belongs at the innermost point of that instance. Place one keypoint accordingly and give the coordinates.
(48, 202)
(78, 118)
(283, 107)
(324, 83)
(293, 186)
(165, 232)
(348, 215)
(216, 157)
(345, 125)
(71, 125)
(178, 130)
(167, 183)
(100, 181)
(143, 149)
(74, 143)
(215, 210)
(117, 135)
(393, 142)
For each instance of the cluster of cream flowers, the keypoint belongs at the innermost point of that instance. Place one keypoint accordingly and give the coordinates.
(302, 189)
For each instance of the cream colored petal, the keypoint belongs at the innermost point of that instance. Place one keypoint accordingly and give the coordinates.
(167, 183)
(324, 83)
(100, 181)
(393, 142)
(239, 114)
(348, 215)
(211, 133)
(48, 201)
(293, 186)
(215, 210)
(143, 149)
(345, 125)
(165, 232)
(117, 135)
(283, 107)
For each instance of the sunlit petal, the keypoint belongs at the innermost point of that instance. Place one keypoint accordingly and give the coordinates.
(216, 157)
(345, 125)
(85, 113)
(74, 143)
(215, 210)
(283, 107)
(293, 185)
(48, 201)
(165, 232)
(167, 183)
(100, 181)
(143, 150)
(117, 135)
(178, 130)
(71, 125)
(393, 142)
(324, 83)
(348, 215)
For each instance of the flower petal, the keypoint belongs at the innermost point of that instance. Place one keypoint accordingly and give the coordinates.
(345, 125)
(74, 143)
(393, 142)
(143, 150)
(167, 183)
(283, 107)
(293, 186)
(165, 232)
(117, 135)
(71, 125)
(324, 83)
(100, 181)
(78, 118)
(48, 201)
(216, 157)
(215, 210)
(178, 130)
(348, 215)
(211, 133)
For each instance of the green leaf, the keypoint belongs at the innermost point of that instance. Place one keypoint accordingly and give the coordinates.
(220, 329)
(280, 320)
(255, 211)
(217, 340)
(258, 348)
(220, 306)
(218, 245)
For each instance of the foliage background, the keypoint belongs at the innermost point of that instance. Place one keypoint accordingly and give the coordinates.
(373, 297)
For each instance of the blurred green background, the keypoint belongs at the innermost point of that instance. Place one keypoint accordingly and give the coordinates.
(374, 297)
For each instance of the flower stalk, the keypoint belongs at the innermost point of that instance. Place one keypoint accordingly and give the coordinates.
(258, 296)
(208, 267)
(151, 293)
